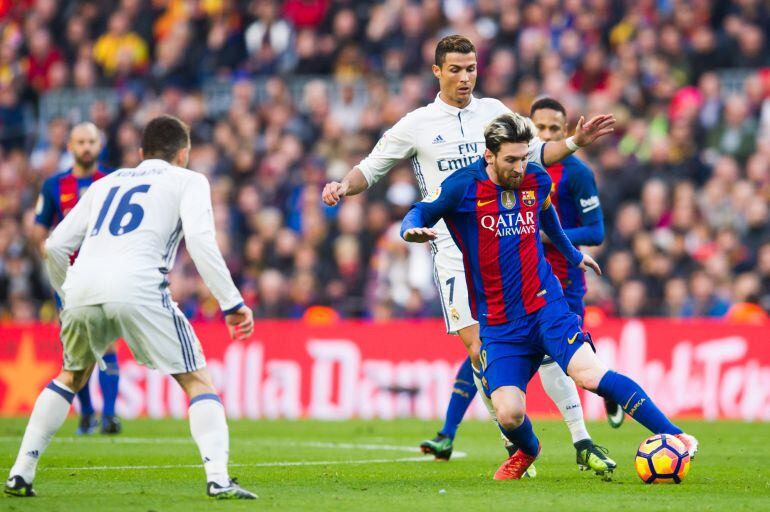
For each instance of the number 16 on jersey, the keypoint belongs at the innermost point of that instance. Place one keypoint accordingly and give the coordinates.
(127, 216)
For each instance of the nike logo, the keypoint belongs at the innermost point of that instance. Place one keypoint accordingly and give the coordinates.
(481, 203)
(573, 338)
(67, 197)
(625, 407)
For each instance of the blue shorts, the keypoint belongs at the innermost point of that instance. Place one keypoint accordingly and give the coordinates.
(553, 330)
(577, 306)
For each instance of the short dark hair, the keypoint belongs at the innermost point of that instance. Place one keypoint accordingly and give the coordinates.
(507, 128)
(453, 44)
(164, 136)
(547, 103)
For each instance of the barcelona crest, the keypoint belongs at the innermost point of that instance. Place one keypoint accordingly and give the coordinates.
(528, 197)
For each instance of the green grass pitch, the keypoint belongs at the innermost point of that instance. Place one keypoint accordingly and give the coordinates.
(368, 465)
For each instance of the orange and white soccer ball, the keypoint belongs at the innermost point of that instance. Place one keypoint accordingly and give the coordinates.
(662, 459)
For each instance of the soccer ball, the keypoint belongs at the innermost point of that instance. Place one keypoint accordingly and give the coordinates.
(662, 459)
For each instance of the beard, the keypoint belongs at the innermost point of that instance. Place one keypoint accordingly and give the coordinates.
(85, 160)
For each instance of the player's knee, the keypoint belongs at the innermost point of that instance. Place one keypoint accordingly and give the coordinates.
(510, 416)
(74, 380)
(588, 378)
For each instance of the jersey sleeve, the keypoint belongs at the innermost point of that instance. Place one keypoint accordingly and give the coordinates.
(442, 202)
(197, 216)
(582, 186)
(45, 208)
(395, 145)
(65, 240)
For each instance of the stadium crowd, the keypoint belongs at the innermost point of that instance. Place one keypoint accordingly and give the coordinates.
(285, 96)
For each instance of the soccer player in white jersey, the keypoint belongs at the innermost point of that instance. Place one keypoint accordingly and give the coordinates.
(128, 226)
(441, 138)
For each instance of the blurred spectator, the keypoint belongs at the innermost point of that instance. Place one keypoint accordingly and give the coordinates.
(119, 50)
(284, 96)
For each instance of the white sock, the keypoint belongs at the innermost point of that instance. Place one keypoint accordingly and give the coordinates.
(208, 427)
(48, 415)
(562, 390)
(480, 387)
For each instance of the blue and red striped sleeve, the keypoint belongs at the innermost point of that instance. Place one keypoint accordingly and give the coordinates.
(46, 208)
(442, 202)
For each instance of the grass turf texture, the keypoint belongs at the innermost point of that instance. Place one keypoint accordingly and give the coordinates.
(730, 472)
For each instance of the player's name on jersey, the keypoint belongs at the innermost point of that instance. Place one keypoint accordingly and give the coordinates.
(135, 173)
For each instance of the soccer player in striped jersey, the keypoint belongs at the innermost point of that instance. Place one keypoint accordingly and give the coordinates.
(58, 195)
(494, 210)
(576, 200)
(441, 138)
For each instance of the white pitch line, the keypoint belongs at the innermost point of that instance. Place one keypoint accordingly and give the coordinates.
(257, 464)
(312, 444)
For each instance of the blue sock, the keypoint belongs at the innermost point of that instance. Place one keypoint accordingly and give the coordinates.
(523, 436)
(108, 381)
(635, 402)
(462, 394)
(84, 395)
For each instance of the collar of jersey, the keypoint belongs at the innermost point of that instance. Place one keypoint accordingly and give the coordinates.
(153, 162)
(446, 107)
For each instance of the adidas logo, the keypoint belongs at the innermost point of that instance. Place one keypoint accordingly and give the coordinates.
(439, 139)
(34, 454)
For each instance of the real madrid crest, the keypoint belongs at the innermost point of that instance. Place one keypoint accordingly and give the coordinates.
(455, 314)
(508, 198)
(528, 197)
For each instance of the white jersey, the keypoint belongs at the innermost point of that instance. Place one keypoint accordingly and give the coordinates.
(439, 139)
(127, 227)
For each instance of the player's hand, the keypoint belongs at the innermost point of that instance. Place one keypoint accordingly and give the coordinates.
(420, 235)
(333, 192)
(587, 132)
(589, 262)
(240, 324)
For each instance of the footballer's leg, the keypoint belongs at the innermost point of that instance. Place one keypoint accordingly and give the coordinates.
(109, 381)
(510, 408)
(561, 332)
(160, 336)
(53, 403)
(208, 427)
(449, 275)
(507, 372)
(563, 392)
(48, 415)
(462, 394)
(88, 422)
(589, 373)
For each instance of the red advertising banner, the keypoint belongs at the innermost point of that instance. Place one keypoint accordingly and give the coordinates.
(396, 369)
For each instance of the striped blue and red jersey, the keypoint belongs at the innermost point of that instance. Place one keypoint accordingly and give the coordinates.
(498, 232)
(60, 193)
(576, 199)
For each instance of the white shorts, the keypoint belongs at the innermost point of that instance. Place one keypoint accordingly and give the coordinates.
(158, 336)
(449, 273)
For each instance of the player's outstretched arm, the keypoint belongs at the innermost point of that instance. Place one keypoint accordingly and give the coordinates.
(353, 183)
(586, 132)
(395, 145)
(420, 235)
(197, 217)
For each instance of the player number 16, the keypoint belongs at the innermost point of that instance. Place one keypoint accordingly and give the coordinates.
(127, 216)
